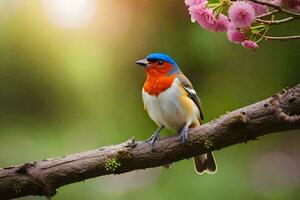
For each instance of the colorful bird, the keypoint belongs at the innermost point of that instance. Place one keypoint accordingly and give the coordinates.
(172, 102)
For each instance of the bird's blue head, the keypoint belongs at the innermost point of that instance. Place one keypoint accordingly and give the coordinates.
(159, 64)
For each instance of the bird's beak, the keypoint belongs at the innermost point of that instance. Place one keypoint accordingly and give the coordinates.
(142, 62)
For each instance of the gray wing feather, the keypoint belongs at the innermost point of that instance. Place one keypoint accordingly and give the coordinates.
(190, 90)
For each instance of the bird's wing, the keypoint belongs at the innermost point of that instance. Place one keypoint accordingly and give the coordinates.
(187, 85)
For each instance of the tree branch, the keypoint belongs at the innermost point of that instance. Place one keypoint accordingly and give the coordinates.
(277, 113)
(277, 7)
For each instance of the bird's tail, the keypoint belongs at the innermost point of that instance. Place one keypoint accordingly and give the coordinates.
(205, 163)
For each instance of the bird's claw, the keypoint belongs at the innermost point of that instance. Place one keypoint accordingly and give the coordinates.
(183, 135)
(153, 139)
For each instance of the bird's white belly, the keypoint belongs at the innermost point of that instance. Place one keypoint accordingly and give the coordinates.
(167, 108)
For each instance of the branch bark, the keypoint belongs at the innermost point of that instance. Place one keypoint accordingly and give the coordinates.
(277, 7)
(277, 113)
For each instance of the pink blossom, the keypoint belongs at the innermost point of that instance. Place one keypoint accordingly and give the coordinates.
(197, 9)
(204, 16)
(222, 24)
(276, 2)
(234, 35)
(250, 44)
(241, 13)
(259, 9)
(193, 2)
(207, 20)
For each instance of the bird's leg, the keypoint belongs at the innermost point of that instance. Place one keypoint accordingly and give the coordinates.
(183, 133)
(155, 135)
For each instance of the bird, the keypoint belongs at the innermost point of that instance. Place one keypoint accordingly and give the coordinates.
(172, 103)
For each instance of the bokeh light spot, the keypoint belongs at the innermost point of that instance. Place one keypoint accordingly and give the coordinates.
(70, 13)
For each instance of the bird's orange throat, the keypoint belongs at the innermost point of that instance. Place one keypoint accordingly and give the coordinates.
(156, 84)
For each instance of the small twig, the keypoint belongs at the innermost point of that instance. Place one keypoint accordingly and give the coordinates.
(290, 12)
(291, 37)
(280, 21)
(267, 14)
(266, 30)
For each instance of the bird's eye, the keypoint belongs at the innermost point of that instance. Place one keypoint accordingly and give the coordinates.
(160, 62)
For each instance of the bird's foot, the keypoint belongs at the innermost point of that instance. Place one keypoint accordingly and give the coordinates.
(155, 136)
(183, 135)
(153, 139)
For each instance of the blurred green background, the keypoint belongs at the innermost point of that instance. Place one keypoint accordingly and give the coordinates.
(68, 84)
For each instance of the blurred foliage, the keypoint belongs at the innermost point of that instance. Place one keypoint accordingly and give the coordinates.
(69, 89)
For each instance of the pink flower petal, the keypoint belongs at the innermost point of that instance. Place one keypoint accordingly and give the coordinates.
(222, 24)
(276, 2)
(204, 16)
(249, 44)
(234, 35)
(241, 13)
(193, 2)
(259, 9)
